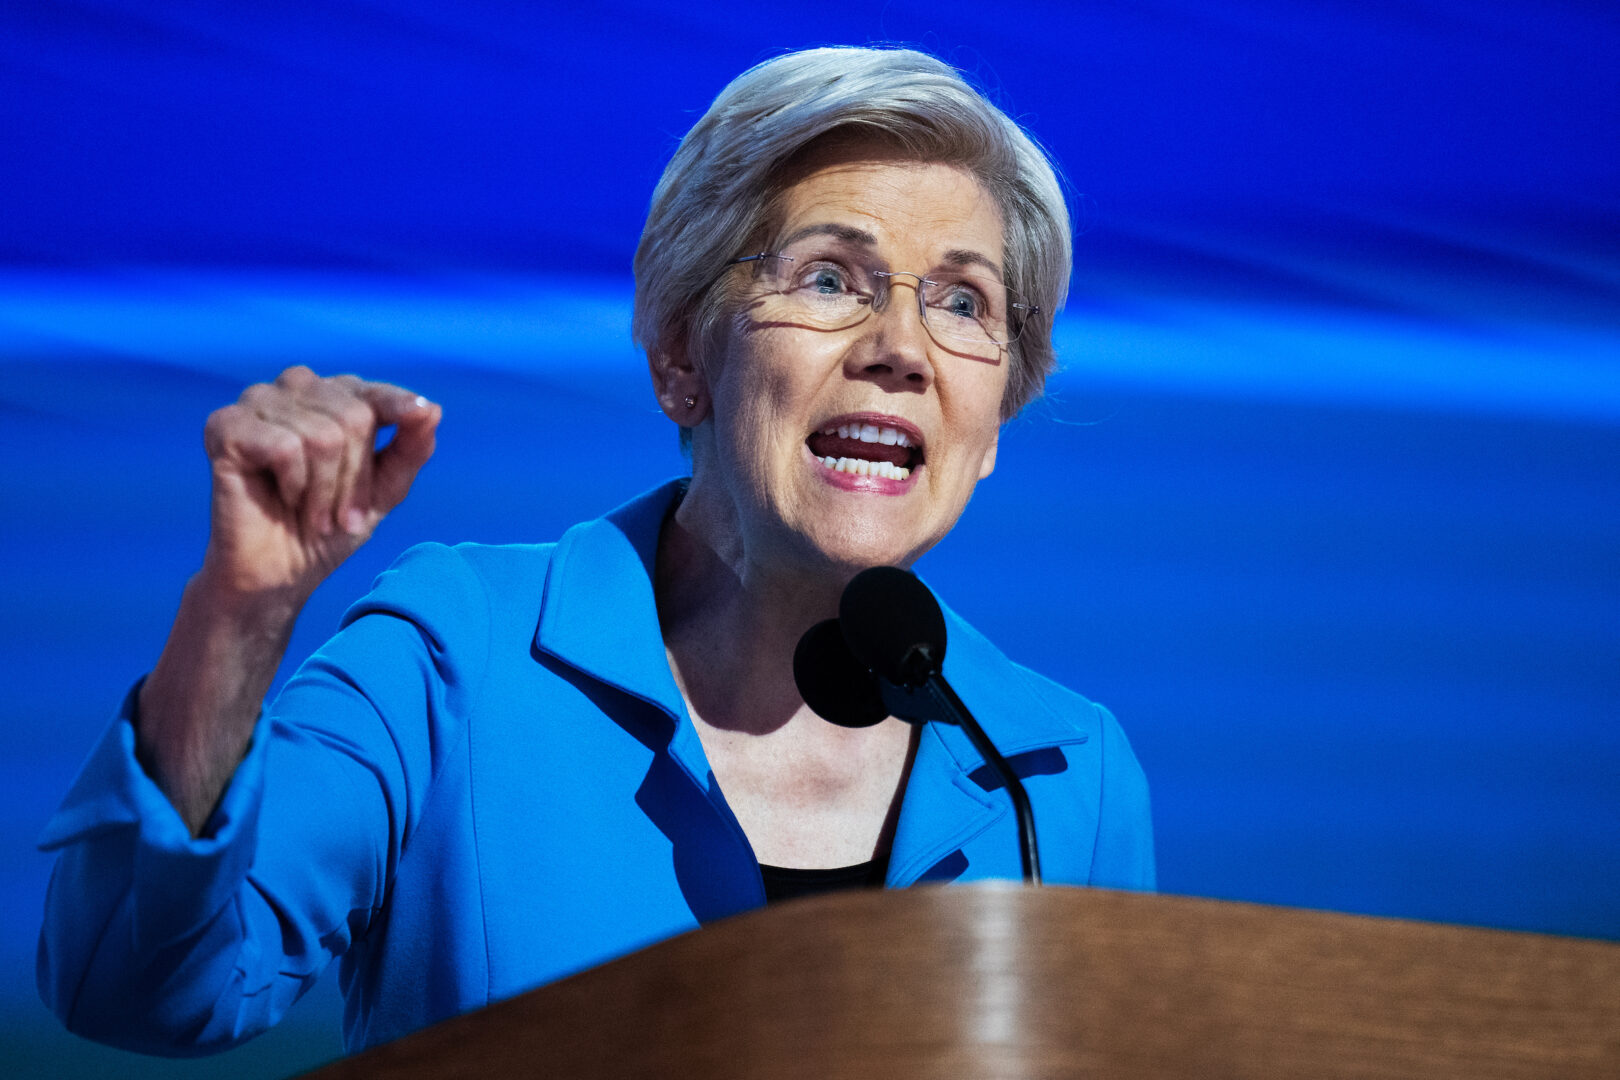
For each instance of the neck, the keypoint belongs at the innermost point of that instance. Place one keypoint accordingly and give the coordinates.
(730, 625)
(806, 793)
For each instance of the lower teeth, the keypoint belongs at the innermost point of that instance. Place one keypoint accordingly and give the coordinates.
(883, 470)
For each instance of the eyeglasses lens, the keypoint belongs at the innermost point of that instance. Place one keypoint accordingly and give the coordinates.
(829, 289)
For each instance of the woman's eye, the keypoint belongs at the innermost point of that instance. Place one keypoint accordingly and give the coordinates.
(826, 279)
(962, 302)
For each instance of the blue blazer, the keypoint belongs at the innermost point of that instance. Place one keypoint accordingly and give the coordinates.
(487, 780)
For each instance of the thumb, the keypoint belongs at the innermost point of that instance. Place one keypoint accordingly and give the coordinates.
(394, 467)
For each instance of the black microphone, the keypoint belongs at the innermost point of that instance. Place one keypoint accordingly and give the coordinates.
(893, 625)
(895, 636)
(832, 682)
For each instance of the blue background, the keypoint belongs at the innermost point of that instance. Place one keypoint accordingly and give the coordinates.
(1325, 503)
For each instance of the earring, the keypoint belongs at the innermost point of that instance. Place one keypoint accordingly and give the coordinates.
(691, 402)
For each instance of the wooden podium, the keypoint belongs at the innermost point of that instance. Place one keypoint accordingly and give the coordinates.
(1004, 982)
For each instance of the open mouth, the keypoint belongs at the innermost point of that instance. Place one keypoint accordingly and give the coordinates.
(867, 448)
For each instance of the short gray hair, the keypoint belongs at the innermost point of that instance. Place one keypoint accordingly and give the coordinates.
(718, 189)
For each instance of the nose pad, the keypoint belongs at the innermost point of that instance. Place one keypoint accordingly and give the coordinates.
(880, 297)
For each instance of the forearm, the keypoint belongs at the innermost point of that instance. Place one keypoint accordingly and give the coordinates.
(198, 707)
(168, 943)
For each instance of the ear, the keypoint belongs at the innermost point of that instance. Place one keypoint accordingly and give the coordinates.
(987, 464)
(676, 382)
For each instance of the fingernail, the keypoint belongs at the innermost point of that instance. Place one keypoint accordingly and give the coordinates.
(421, 402)
(354, 522)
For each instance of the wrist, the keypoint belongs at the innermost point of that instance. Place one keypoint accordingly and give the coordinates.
(230, 601)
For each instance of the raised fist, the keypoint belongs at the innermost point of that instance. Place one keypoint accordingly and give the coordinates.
(298, 483)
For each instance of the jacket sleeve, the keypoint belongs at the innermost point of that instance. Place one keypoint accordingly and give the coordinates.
(1123, 854)
(158, 942)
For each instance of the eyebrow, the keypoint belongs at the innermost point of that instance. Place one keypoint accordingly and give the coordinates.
(847, 233)
(967, 257)
(852, 235)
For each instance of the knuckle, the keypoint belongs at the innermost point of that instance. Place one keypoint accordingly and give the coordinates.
(225, 426)
(282, 438)
(257, 395)
(296, 377)
(285, 449)
(223, 418)
(326, 440)
(356, 416)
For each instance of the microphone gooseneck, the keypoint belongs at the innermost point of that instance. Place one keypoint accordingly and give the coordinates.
(892, 649)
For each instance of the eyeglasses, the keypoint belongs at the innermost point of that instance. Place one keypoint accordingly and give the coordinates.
(823, 285)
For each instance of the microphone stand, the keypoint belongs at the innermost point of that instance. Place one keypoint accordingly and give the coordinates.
(895, 630)
(935, 700)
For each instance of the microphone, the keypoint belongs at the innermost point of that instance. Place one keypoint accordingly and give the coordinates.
(893, 651)
(832, 682)
(893, 625)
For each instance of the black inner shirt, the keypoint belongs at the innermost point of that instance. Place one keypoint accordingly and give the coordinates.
(786, 883)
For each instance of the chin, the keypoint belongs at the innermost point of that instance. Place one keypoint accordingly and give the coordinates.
(855, 545)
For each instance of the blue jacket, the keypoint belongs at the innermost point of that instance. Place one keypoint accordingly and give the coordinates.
(486, 781)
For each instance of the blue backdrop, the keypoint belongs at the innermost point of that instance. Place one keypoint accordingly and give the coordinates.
(1325, 503)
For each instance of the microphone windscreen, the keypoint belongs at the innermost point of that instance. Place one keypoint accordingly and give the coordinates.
(832, 682)
(893, 625)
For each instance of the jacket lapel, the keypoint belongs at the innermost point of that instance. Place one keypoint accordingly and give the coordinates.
(945, 807)
(600, 616)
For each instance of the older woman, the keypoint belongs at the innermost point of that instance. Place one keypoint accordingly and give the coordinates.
(515, 762)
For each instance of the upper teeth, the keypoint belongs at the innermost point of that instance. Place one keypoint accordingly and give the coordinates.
(888, 436)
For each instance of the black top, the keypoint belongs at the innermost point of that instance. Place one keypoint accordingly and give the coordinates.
(786, 883)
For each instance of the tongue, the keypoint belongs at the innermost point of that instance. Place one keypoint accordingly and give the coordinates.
(839, 447)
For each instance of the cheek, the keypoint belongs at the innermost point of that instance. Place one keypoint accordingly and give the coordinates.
(753, 398)
(977, 416)
(765, 388)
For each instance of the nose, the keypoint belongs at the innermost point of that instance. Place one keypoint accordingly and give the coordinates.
(894, 351)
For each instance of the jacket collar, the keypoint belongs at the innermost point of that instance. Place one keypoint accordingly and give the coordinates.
(598, 612)
(600, 616)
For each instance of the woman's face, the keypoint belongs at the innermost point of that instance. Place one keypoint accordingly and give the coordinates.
(790, 393)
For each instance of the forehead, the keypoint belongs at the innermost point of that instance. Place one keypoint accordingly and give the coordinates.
(915, 210)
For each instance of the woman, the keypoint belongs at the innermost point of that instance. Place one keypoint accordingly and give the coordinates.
(515, 762)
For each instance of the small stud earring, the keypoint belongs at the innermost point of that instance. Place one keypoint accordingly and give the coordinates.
(691, 402)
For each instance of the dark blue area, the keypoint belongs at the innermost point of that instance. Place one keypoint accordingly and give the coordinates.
(407, 135)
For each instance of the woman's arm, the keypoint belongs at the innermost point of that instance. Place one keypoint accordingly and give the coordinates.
(164, 942)
(297, 488)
